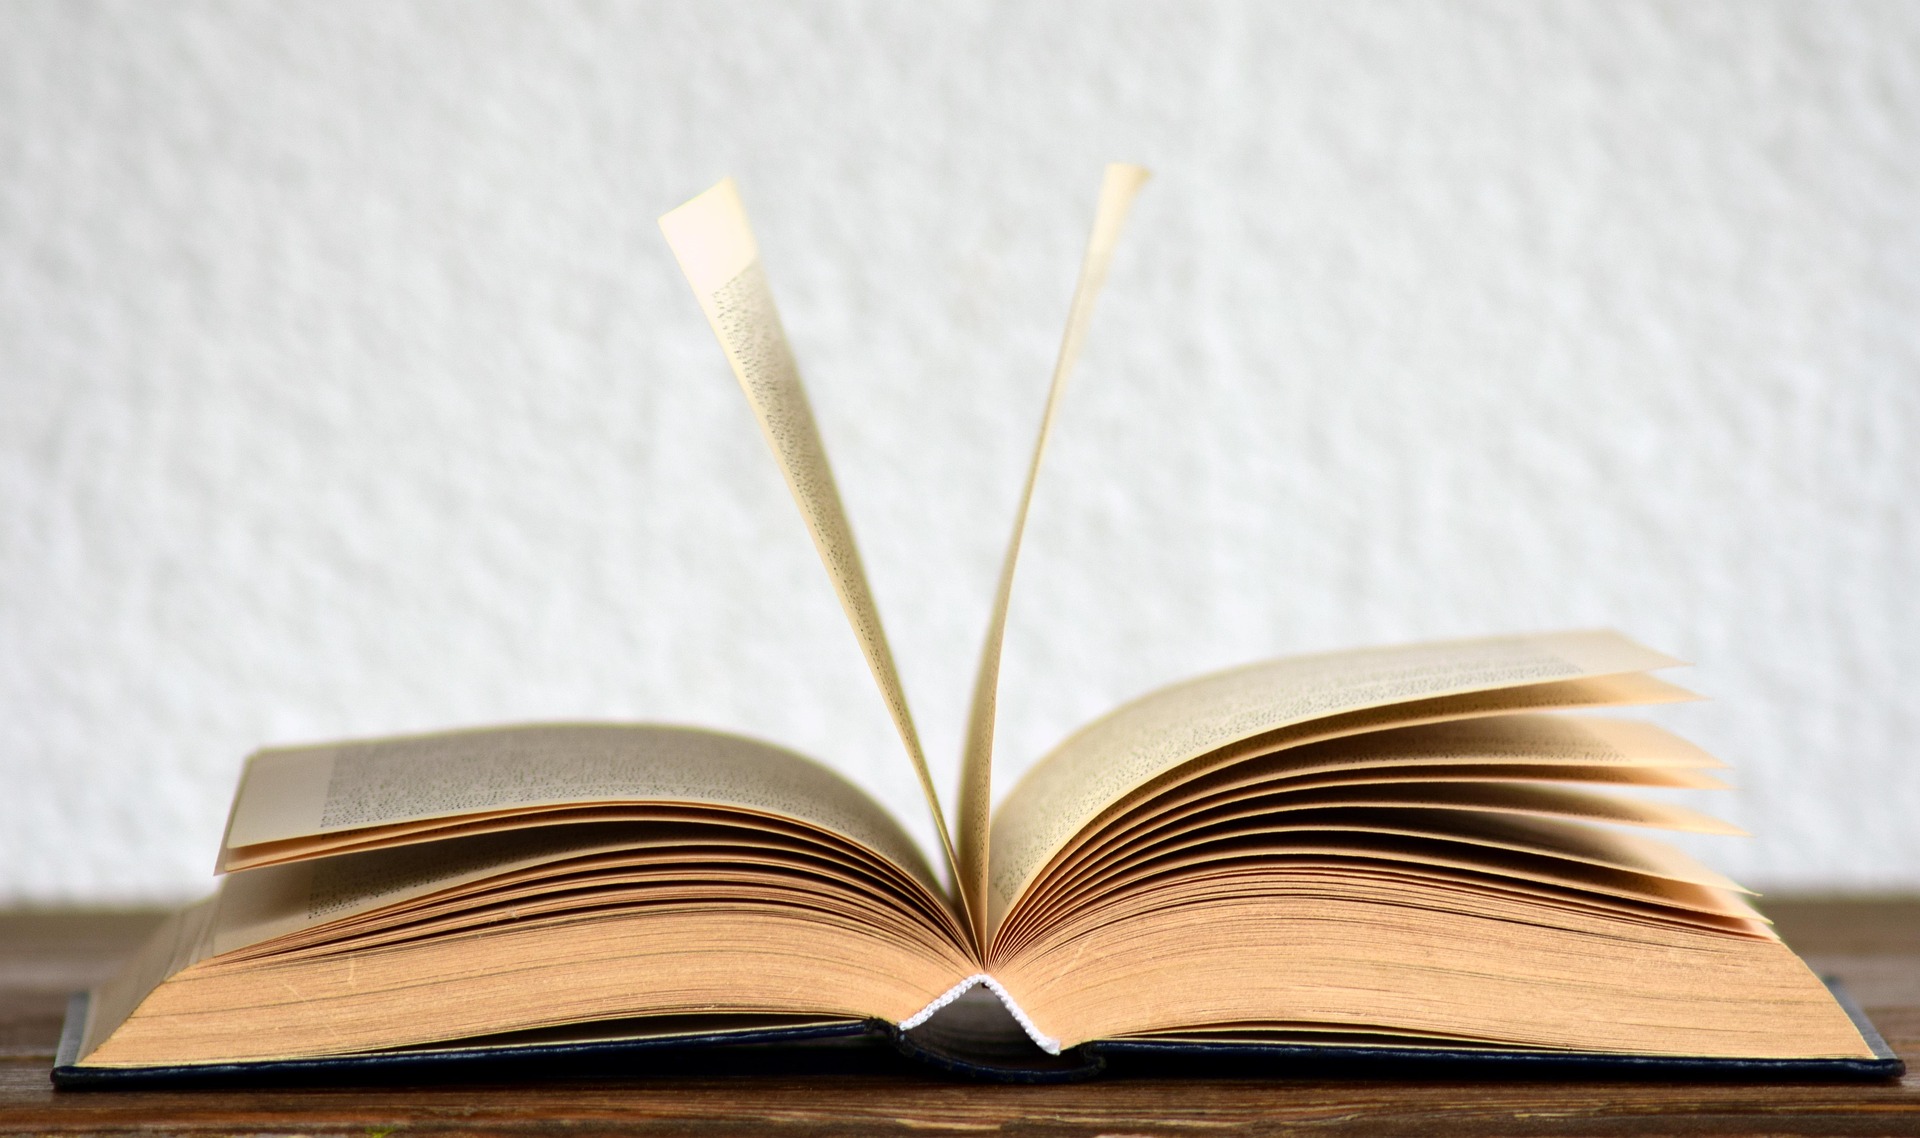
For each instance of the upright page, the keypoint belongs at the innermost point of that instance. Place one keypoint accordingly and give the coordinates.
(1117, 192)
(717, 251)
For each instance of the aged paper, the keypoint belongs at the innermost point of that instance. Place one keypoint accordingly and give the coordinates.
(1503, 748)
(716, 249)
(337, 787)
(468, 874)
(1472, 732)
(1523, 737)
(1533, 847)
(1162, 730)
(1117, 192)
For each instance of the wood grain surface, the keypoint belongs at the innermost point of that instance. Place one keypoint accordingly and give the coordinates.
(1873, 944)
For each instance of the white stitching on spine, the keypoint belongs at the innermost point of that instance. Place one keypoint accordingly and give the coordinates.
(1046, 1042)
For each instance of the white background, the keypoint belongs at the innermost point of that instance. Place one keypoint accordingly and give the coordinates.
(346, 386)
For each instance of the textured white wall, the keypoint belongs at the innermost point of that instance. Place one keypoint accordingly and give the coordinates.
(346, 386)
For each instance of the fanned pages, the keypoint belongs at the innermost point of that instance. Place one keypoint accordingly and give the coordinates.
(716, 249)
(1159, 732)
(1425, 850)
(297, 802)
(1117, 192)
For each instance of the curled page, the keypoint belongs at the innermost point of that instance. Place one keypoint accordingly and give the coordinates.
(715, 247)
(1117, 192)
(1153, 735)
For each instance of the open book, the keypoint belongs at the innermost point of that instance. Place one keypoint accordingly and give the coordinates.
(1406, 852)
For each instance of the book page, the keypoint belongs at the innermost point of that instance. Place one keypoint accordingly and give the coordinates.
(1507, 748)
(1117, 192)
(301, 791)
(179, 941)
(1528, 748)
(1162, 730)
(275, 900)
(1400, 954)
(1525, 746)
(1600, 866)
(465, 874)
(717, 251)
(1261, 757)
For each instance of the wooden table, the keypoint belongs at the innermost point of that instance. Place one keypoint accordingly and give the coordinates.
(1874, 945)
